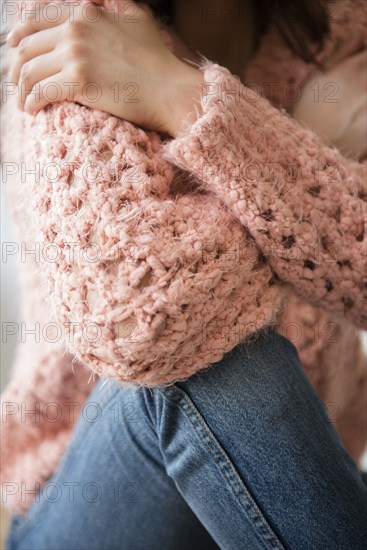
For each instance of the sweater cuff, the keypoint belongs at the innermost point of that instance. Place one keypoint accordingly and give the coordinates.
(196, 144)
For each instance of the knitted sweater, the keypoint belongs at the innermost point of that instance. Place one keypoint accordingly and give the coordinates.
(155, 257)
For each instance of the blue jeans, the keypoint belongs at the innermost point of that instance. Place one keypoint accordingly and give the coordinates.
(239, 456)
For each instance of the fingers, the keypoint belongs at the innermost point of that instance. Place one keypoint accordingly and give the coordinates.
(47, 91)
(36, 71)
(33, 46)
(41, 18)
(52, 15)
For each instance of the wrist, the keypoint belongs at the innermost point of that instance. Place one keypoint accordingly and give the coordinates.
(184, 100)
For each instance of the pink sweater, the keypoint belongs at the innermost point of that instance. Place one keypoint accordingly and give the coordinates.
(154, 258)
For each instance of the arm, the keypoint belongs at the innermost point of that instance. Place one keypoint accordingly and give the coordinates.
(303, 202)
(144, 282)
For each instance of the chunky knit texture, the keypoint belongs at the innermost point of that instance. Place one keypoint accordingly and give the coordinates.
(159, 256)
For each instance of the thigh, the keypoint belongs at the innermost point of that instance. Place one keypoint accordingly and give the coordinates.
(251, 448)
(111, 490)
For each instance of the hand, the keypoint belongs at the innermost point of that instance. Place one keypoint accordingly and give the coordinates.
(334, 105)
(117, 62)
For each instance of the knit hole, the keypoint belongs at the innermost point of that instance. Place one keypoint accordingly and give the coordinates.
(106, 155)
(267, 215)
(328, 285)
(288, 241)
(337, 215)
(342, 263)
(70, 178)
(324, 243)
(141, 148)
(145, 280)
(194, 268)
(309, 264)
(125, 328)
(360, 237)
(315, 190)
(347, 301)
(159, 330)
(46, 205)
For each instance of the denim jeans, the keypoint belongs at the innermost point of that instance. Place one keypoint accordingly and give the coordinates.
(239, 456)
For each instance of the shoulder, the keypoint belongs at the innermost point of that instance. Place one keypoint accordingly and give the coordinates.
(279, 74)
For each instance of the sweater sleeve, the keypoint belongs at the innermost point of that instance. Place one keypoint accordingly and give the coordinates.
(42, 372)
(303, 202)
(146, 283)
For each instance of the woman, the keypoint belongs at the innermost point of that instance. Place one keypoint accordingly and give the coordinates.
(241, 454)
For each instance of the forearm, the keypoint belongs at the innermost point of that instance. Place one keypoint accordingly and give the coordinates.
(140, 280)
(302, 202)
(185, 106)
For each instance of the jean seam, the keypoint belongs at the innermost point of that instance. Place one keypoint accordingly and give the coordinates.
(29, 520)
(261, 526)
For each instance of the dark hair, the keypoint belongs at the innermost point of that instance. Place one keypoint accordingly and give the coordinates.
(300, 22)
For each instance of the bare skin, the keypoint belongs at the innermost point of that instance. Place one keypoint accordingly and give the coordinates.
(169, 89)
(131, 49)
(341, 123)
(68, 47)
